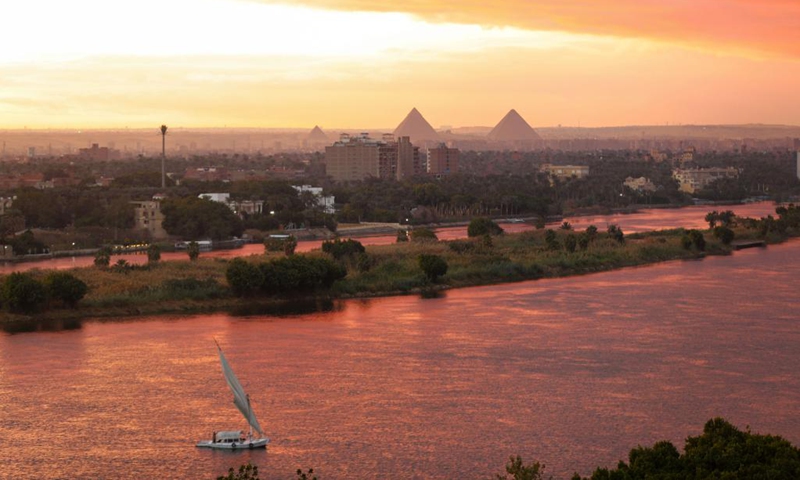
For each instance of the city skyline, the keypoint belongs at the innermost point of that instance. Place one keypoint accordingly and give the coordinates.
(351, 63)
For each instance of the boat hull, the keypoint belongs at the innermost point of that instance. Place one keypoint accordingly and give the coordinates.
(246, 445)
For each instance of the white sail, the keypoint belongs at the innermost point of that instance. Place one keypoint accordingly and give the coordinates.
(240, 398)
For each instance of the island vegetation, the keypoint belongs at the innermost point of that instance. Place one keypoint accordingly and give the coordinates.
(346, 269)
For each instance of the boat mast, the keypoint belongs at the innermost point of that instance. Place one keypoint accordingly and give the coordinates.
(249, 416)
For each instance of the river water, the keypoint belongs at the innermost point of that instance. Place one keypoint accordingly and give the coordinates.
(572, 372)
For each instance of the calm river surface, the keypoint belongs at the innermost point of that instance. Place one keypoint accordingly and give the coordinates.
(645, 220)
(572, 372)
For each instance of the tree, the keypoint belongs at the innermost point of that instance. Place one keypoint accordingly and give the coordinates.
(289, 245)
(616, 233)
(193, 217)
(483, 226)
(697, 239)
(153, 253)
(402, 236)
(517, 470)
(243, 277)
(340, 249)
(725, 235)
(434, 266)
(103, 257)
(193, 250)
(247, 471)
(591, 232)
(721, 452)
(21, 293)
(423, 235)
(551, 240)
(570, 242)
(301, 475)
(566, 226)
(65, 287)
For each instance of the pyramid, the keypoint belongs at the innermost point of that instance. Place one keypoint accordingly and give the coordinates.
(512, 128)
(317, 136)
(416, 127)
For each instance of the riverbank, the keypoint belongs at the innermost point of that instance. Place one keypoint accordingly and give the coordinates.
(182, 287)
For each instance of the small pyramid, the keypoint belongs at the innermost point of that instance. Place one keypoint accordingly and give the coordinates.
(416, 127)
(317, 135)
(512, 128)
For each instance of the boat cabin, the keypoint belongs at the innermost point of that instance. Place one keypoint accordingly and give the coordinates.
(230, 436)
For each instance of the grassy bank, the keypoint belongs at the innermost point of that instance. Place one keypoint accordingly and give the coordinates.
(184, 287)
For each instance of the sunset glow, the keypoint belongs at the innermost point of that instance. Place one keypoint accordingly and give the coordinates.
(354, 63)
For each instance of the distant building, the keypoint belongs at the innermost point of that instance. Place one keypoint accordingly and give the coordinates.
(240, 208)
(798, 164)
(207, 174)
(216, 197)
(148, 217)
(6, 204)
(564, 172)
(360, 157)
(98, 154)
(443, 160)
(640, 184)
(695, 179)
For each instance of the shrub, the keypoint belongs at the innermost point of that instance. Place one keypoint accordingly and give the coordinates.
(22, 293)
(402, 236)
(423, 235)
(286, 244)
(591, 232)
(299, 273)
(289, 245)
(66, 288)
(339, 249)
(434, 266)
(697, 239)
(725, 235)
(583, 241)
(551, 240)
(103, 257)
(616, 233)
(243, 277)
(483, 226)
(566, 226)
(461, 246)
(193, 250)
(153, 253)
(570, 243)
(686, 242)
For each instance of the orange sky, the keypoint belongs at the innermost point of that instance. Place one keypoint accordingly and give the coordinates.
(362, 63)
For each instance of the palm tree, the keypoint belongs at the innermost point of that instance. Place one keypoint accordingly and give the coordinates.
(163, 156)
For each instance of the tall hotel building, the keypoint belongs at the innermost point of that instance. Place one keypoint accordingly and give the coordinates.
(443, 160)
(360, 157)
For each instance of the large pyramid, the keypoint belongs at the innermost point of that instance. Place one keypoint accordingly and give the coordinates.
(317, 136)
(513, 128)
(416, 127)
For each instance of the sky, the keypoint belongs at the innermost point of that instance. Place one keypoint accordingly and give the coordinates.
(366, 63)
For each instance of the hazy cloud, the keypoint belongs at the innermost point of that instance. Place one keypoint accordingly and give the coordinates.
(748, 26)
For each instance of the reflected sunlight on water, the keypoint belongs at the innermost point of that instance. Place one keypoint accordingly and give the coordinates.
(573, 372)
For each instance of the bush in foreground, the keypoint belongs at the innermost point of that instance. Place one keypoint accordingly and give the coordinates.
(721, 452)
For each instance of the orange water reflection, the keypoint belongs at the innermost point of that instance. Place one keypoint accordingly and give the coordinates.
(571, 371)
(645, 220)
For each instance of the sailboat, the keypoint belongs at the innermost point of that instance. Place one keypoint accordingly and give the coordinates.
(237, 439)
